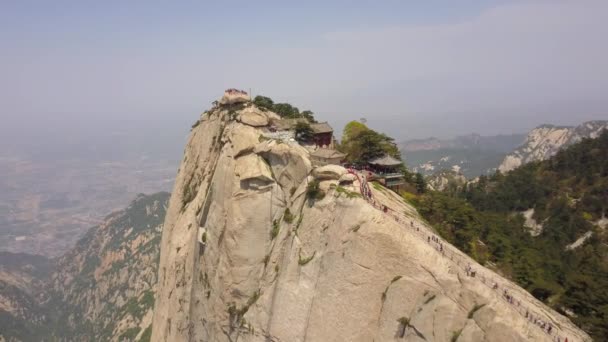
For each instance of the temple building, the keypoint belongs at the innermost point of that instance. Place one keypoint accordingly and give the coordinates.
(323, 133)
(387, 171)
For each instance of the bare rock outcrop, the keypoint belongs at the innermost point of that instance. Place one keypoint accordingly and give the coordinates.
(252, 116)
(232, 96)
(279, 266)
(546, 140)
(326, 172)
(446, 179)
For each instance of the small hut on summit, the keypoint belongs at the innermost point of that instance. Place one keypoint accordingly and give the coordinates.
(387, 170)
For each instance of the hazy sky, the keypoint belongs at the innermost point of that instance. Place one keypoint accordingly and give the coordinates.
(412, 68)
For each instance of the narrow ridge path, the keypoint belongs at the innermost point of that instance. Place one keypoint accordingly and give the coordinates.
(552, 329)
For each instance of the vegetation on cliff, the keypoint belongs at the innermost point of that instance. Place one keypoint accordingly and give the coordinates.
(285, 110)
(569, 196)
(99, 290)
(362, 144)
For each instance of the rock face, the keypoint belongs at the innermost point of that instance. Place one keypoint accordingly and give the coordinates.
(535, 228)
(444, 180)
(232, 97)
(328, 172)
(253, 117)
(544, 142)
(278, 266)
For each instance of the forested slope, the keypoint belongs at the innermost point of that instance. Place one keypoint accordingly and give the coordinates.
(567, 196)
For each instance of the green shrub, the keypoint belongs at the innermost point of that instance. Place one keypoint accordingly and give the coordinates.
(147, 334)
(275, 229)
(456, 335)
(474, 309)
(404, 323)
(254, 298)
(236, 314)
(349, 194)
(129, 334)
(189, 191)
(288, 216)
(304, 132)
(313, 192)
(377, 186)
(304, 261)
(266, 260)
(263, 102)
(147, 300)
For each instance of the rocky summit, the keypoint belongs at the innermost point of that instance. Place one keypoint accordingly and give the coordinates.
(546, 140)
(259, 244)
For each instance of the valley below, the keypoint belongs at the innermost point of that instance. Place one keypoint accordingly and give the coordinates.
(47, 205)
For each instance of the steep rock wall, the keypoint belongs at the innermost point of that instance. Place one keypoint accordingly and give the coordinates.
(277, 266)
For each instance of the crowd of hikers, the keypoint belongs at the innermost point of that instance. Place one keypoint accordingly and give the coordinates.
(469, 270)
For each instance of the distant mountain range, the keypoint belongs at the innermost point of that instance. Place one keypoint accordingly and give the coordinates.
(546, 140)
(471, 155)
(474, 155)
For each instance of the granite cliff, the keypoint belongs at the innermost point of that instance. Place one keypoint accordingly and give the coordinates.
(259, 245)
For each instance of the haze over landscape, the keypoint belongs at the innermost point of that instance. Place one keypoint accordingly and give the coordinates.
(120, 82)
(433, 68)
(390, 171)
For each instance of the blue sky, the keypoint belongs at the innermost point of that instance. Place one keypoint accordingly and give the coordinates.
(412, 68)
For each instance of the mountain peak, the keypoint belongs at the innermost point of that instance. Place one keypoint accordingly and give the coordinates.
(262, 245)
(545, 140)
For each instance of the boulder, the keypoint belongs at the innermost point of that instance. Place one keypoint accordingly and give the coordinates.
(329, 172)
(347, 178)
(253, 117)
(252, 166)
(234, 98)
(243, 138)
(289, 163)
